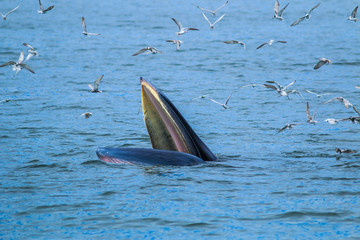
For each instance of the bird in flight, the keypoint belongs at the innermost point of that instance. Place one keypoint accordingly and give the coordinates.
(236, 42)
(270, 43)
(224, 105)
(31, 51)
(310, 119)
(282, 90)
(177, 42)
(85, 32)
(307, 16)
(212, 25)
(317, 95)
(5, 16)
(42, 10)
(18, 65)
(213, 12)
(352, 17)
(86, 115)
(321, 62)
(278, 14)
(8, 100)
(148, 49)
(95, 88)
(289, 126)
(346, 102)
(183, 30)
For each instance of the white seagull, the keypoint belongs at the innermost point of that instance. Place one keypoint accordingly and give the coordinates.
(224, 105)
(95, 88)
(18, 65)
(335, 121)
(278, 14)
(182, 29)
(307, 16)
(352, 17)
(282, 90)
(317, 95)
(310, 119)
(31, 51)
(177, 42)
(5, 16)
(213, 12)
(84, 28)
(270, 43)
(212, 25)
(149, 49)
(236, 42)
(346, 102)
(321, 62)
(42, 10)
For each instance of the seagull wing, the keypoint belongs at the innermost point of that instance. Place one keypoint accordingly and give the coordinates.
(21, 57)
(97, 82)
(216, 102)
(221, 6)
(219, 19)
(157, 50)
(28, 45)
(27, 67)
(282, 129)
(261, 45)
(319, 64)
(353, 14)
(41, 6)
(271, 86)
(30, 55)
(12, 11)
(280, 87)
(91, 87)
(205, 9)
(281, 41)
(313, 9)
(307, 111)
(231, 42)
(83, 24)
(347, 103)
(289, 85)
(276, 7)
(178, 24)
(206, 19)
(311, 92)
(8, 63)
(49, 8)
(282, 10)
(298, 21)
(227, 100)
(140, 51)
(172, 41)
(335, 98)
(356, 110)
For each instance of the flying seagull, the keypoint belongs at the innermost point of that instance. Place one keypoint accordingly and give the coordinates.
(335, 121)
(31, 51)
(149, 49)
(212, 25)
(86, 115)
(214, 11)
(352, 17)
(95, 88)
(338, 150)
(253, 85)
(42, 10)
(270, 43)
(289, 126)
(5, 16)
(310, 119)
(282, 90)
(278, 14)
(224, 105)
(317, 95)
(201, 97)
(84, 28)
(182, 29)
(177, 42)
(8, 100)
(18, 65)
(307, 16)
(236, 42)
(321, 62)
(346, 102)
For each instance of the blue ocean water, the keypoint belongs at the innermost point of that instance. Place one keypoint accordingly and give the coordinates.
(291, 185)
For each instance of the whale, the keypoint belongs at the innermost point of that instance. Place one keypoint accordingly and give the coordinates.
(173, 140)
